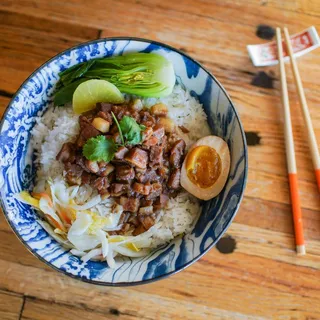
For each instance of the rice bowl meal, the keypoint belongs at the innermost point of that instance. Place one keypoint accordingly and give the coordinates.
(124, 156)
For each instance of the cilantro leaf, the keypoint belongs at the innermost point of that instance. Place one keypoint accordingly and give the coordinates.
(99, 149)
(131, 130)
(117, 123)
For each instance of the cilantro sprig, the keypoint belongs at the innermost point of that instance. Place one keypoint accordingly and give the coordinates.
(118, 125)
(102, 149)
(99, 149)
(129, 129)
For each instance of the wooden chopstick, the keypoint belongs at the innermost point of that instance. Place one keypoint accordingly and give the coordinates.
(291, 160)
(306, 114)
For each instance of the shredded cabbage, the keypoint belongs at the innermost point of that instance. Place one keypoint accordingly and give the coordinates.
(110, 259)
(104, 242)
(93, 202)
(48, 210)
(84, 227)
(46, 226)
(84, 242)
(128, 252)
(72, 191)
(81, 224)
(83, 194)
(91, 254)
(78, 252)
(25, 197)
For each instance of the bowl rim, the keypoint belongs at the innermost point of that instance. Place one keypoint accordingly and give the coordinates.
(163, 276)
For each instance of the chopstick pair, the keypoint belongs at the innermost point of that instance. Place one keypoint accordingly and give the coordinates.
(290, 153)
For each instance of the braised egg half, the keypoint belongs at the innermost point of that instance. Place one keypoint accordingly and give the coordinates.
(206, 167)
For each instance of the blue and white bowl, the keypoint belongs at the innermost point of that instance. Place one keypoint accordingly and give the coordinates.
(17, 170)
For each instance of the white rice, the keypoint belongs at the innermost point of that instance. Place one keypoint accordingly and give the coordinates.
(59, 125)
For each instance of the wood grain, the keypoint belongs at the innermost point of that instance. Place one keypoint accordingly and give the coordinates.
(4, 226)
(42, 310)
(4, 101)
(39, 309)
(10, 306)
(28, 36)
(305, 6)
(261, 277)
(275, 216)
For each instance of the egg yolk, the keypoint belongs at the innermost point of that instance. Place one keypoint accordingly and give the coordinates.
(203, 165)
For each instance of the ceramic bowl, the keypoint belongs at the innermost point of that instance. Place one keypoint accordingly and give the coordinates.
(17, 170)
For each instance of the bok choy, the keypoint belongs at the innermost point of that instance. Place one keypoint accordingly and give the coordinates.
(142, 74)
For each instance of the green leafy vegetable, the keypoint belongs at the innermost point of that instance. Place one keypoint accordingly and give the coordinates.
(142, 74)
(131, 130)
(77, 71)
(65, 94)
(99, 149)
(117, 123)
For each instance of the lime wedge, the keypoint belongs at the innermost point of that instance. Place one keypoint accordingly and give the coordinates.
(90, 92)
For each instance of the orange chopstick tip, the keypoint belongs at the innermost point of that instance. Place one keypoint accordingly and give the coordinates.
(301, 250)
(317, 171)
(297, 214)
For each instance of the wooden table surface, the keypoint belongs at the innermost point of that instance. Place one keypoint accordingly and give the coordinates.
(254, 272)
